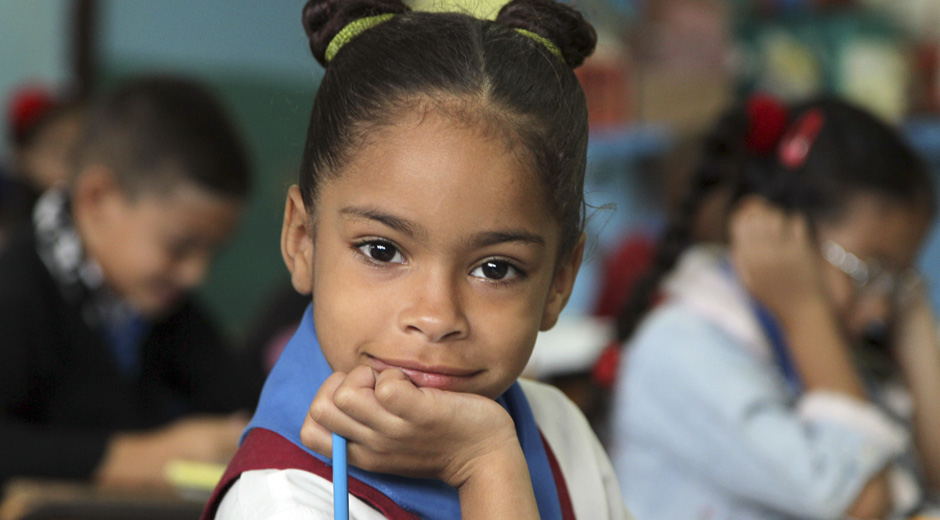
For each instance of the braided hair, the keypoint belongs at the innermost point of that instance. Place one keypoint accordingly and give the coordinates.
(812, 159)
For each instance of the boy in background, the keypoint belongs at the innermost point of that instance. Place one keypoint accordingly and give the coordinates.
(108, 367)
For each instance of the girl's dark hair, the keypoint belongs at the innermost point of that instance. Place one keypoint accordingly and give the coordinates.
(490, 70)
(157, 130)
(850, 152)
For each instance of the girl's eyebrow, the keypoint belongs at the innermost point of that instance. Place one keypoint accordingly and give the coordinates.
(417, 232)
(490, 238)
(412, 229)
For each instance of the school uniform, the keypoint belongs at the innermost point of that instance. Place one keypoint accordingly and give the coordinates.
(78, 365)
(275, 476)
(710, 422)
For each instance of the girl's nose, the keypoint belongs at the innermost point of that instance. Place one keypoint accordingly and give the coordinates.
(435, 311)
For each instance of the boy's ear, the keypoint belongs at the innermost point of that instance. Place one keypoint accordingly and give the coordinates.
(297, 242)
(562, 285)
(94, 189)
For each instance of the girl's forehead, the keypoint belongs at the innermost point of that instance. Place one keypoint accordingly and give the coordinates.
(875, 226)
(432, 168)
(447, 130)
(474, 113)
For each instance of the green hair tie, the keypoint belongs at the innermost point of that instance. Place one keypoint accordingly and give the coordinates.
(552, 48)
(353, 29)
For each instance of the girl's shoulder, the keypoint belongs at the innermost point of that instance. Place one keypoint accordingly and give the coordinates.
(693, 327)
(547, 401)
(588, 474)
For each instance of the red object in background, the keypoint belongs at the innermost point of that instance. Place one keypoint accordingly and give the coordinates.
(25, 108)
(767, 121)
(620, 272)
(927, 73)
(607, 89)
(605, 368)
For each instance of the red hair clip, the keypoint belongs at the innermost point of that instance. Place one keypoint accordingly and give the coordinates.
(767, 121)
(799, 141)
(604, 372)
(27, 106)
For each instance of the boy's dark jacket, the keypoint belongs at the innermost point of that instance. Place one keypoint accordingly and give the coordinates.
(61, 394)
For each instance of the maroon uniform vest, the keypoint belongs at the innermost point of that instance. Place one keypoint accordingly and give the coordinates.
(264, 449)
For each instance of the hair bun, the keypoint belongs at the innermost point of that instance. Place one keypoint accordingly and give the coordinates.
(323, 19)
(561, 24)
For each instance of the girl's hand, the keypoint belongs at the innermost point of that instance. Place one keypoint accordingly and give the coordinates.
(916, 349)
(392, 426)
(914, 320)
(775, 256)
(777, 260)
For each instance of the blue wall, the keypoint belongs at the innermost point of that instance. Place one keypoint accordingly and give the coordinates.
(34, 37)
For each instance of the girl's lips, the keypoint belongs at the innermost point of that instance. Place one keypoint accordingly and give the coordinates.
(442, 378)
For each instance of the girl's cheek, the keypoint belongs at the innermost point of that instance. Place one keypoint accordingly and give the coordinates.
(841, 293)
(839, 288)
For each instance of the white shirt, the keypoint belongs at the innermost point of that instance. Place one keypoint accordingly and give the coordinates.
(706, 427)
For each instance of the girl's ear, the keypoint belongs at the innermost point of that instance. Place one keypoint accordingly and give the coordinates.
(297, 242)
(562, 285)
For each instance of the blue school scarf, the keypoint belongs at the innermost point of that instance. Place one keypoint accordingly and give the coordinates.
(302, 369)
(775, 336)
(779, 346)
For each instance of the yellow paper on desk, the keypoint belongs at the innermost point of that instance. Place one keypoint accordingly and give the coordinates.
(193, 475)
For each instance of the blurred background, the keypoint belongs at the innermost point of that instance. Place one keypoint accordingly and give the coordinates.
(662, 70)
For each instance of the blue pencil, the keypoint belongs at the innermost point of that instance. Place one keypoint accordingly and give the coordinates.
(340, 480)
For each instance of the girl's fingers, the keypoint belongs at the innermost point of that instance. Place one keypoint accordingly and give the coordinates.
(397, 394)
(316, 437)
(356, 398)
(799, 227)
(325, 417)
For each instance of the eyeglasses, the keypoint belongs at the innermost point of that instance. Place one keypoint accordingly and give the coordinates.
(872, 276)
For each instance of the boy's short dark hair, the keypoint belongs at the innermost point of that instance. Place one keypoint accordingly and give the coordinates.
(156, 131)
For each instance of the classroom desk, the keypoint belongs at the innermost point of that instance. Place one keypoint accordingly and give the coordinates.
(50, 500)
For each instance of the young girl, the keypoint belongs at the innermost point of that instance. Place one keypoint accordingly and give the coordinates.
(438, 226)
(795, 372)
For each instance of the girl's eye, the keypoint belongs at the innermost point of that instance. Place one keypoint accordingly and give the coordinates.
(497, 270)
(382, 252)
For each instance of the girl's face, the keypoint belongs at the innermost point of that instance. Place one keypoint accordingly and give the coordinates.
(434, 252)
(876, 230)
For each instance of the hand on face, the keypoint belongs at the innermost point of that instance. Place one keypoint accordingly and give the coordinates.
(775, 256)
(392, 426)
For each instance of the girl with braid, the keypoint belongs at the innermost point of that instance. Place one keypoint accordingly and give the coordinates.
(795, 371)
(437, 225)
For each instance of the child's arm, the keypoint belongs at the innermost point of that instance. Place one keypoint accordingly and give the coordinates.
(139, 458)
(917, 352)
(392, 426)
(778, 262)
